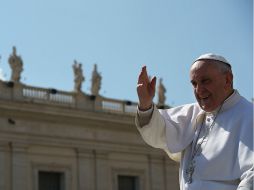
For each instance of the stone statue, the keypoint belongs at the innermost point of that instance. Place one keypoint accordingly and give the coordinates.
(78, 76)
(16, 65)
(96, 81)
(161, 93)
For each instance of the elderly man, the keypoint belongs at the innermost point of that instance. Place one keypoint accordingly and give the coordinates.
(213, 138)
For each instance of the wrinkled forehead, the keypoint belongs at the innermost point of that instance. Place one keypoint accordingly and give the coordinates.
(204, 69)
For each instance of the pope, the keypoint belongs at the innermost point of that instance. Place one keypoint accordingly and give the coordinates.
(212, 138)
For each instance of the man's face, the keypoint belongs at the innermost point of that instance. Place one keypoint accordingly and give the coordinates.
(211, 86)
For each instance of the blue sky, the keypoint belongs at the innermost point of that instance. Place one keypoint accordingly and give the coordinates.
(122, 35)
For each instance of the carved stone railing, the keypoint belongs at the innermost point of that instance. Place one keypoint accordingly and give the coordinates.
(112, 105)
(21, 92)
(51, 95)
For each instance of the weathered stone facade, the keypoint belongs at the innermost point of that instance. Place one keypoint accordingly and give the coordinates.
(89, 140)
(56, 140)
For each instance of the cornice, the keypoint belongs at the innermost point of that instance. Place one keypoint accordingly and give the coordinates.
(54, 113)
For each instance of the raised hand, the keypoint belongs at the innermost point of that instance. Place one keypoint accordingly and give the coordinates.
(145, 90)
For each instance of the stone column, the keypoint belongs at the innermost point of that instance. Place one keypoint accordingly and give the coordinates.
(5, 166)
(20, 167)
(171, 173)
(86, 169)
(103, 175)
(157, 175)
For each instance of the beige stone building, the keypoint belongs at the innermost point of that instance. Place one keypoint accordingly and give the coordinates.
(56, 140)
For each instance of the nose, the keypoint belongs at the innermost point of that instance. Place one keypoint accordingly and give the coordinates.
(199, 89)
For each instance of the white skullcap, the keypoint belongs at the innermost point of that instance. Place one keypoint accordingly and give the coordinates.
(212, 56)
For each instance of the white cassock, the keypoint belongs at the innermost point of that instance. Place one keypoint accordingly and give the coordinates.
(225, 160)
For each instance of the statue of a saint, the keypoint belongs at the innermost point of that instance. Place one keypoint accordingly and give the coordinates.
(96, 81)
(16, 65)
(161, 93)
(78, 76)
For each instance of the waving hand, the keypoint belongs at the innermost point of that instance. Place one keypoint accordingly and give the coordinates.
(145, 89)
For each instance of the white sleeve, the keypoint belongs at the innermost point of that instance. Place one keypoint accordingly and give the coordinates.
(247, 180)
(181, 123)
(171, 129)
(153, 133)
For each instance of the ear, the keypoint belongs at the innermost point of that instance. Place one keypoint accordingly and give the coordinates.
(229, 80)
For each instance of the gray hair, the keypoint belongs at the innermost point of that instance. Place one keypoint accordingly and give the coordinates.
(223, 67)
